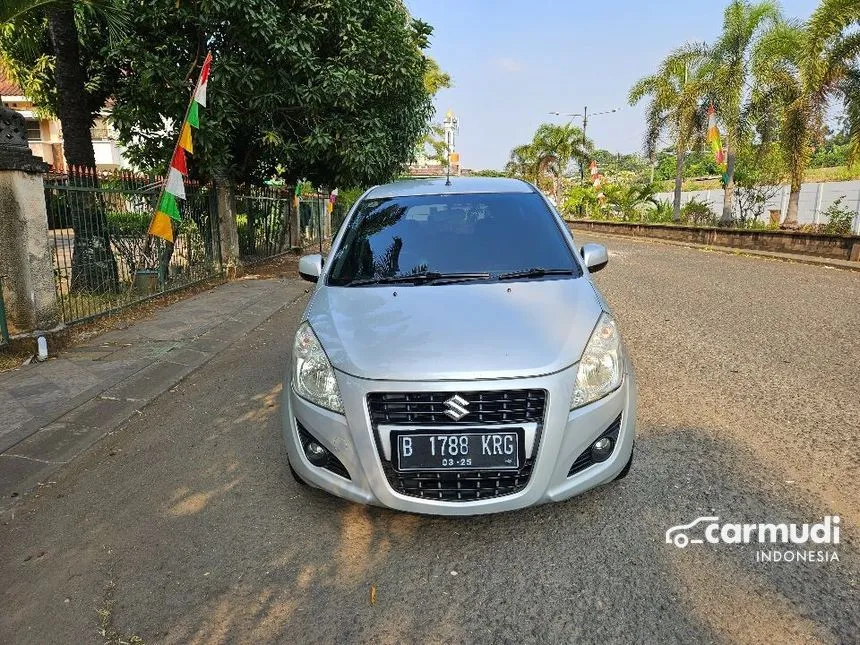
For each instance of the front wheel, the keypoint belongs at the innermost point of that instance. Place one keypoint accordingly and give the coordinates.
(626, 468)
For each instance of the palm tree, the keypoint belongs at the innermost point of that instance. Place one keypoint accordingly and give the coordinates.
(728, 75)
(833, 63)
(797, 71)
(557, 147)
(629, 200)
(676, 92)
(524, 163)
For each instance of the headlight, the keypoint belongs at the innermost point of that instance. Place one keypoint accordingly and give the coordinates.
(600, 368)
(313, 375)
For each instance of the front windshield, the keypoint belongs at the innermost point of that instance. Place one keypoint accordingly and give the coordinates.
(494, 233)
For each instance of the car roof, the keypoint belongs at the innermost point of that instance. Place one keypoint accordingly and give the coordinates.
(458, 185)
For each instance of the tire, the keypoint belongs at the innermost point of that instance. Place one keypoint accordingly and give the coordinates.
(626, 468)
(296, 476)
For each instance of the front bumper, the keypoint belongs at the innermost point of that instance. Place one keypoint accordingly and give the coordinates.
(566, 434)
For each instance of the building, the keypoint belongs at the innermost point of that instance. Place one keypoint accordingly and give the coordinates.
(45, 135)
(427, 166)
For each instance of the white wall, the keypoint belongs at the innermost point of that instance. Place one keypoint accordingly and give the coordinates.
(814, 199)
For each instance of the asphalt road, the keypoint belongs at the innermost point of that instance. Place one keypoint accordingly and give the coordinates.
(186, 526)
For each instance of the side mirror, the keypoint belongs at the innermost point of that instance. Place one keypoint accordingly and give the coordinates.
(595, 256)
(310, 267)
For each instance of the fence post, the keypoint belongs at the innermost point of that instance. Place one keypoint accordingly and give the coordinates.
(25, 255)
(856, 227)
(816, 214)
(296, 227)
(783, 204)
(228, 234)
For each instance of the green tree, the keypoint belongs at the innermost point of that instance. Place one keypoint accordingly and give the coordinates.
(524, 163)
(833, 60)
(676, 92)
(795, 80)
(779, 95)
(728, 75)
(557, 147)
(435, 79)
(432, 145)
(334, 93)
(54, 51)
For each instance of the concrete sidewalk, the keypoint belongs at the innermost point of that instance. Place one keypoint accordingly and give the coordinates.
(53, 411)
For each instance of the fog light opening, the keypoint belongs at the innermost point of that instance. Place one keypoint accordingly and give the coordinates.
(316, 454)
(601, 449)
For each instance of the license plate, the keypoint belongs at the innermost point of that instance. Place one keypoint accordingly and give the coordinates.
(498, 450)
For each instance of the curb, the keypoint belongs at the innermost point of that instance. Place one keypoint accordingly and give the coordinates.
(730, 250)
(56, 440)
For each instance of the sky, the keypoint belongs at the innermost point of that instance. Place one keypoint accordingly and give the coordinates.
(514, 61)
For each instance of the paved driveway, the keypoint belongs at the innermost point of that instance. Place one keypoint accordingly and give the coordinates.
(186, 526)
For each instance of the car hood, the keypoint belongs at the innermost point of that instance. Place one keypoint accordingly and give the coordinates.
(455, 332)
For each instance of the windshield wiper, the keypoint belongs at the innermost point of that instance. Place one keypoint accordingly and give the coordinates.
(423, 277)
(536, 272)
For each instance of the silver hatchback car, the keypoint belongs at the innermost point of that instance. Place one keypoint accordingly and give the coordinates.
(455, 357)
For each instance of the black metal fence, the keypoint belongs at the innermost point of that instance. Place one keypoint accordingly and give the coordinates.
(269, 222)
(264, 221)
(104, 259)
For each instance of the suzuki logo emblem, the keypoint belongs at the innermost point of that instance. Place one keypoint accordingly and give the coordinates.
(458, 407)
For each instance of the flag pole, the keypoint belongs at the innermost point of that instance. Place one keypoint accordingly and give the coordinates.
(147, 246)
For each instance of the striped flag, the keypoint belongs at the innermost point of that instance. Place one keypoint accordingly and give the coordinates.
(174, 186)
(714, 136)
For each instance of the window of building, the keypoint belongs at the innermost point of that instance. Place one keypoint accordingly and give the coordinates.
(34, 130)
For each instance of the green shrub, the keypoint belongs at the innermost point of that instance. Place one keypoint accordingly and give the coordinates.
(661, 213)
(839, 218)
(698, 213)
(124, 223)
(580, 199)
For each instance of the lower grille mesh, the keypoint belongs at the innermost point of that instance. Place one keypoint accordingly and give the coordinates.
(459, 486)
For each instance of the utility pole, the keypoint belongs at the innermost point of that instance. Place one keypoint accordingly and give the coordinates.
(584, 139)
(584, 116)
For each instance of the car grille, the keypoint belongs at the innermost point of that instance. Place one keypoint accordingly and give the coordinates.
(584, 460)
(428, 408)
(420, 409)
(459, 486)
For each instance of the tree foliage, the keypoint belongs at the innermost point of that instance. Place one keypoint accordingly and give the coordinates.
(833, 60)
(552, 152)
(675, 107)
(27, 56)
(333, 91)
(728, 76)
